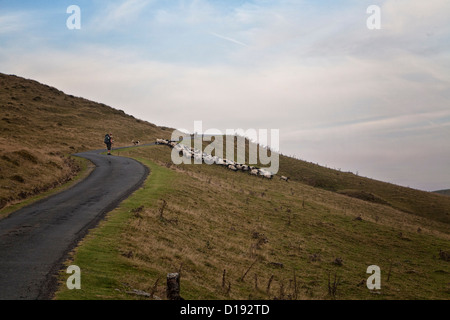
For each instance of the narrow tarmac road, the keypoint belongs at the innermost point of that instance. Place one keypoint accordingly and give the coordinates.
(35, 240)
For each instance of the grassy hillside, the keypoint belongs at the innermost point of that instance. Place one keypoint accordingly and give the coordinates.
(216, 222)
(231, 235)
(41, 126)
(444, 192)
(425, 204)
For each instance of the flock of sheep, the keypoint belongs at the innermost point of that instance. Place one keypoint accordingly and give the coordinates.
(198, 155)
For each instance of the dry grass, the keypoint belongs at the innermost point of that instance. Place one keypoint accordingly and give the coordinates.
(425, 204)
(266, 237)
(40, 126)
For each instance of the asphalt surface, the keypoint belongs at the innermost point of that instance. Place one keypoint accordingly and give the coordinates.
(36, 240)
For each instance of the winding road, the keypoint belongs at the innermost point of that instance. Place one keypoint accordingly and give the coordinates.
(35, 240)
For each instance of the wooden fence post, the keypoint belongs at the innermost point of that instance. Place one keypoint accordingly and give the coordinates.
(173, 286)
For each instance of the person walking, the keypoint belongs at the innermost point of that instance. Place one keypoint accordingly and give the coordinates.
(108, 141)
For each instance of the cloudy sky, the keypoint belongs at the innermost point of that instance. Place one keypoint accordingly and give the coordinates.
(376, 102)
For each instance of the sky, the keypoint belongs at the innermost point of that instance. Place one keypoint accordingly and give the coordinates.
(371, 101)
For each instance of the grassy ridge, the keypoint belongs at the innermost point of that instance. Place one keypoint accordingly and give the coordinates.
(425, 204)
(41, 126)
(444, 192)
(218, 220)
(85, 167)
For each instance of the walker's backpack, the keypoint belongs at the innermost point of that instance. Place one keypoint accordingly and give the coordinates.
(107, 138)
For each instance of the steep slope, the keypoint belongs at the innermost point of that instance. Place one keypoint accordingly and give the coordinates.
(236, 236)
(425, 204)
(41, 126)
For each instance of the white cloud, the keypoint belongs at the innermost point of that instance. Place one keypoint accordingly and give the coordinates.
(118, 15)
(415, 16)
(11, 23)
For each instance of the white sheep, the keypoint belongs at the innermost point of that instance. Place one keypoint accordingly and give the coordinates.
(284, 178)
(163, 141)
(208, 159)
(268, 175)
(187, 154)
(265, 173)
(178, 148)
(198, 157)
(215, 159)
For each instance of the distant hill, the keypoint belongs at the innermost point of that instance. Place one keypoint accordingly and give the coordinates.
(425, 204)
(444, 192)
(40, 126)
(421, 203)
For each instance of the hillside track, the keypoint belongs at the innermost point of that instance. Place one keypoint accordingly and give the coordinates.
(36, 240)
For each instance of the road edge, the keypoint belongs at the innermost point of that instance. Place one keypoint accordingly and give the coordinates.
(51, 284)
